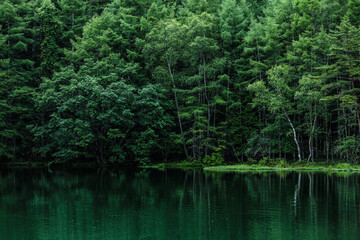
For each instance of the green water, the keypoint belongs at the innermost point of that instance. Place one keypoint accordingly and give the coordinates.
(173, 204)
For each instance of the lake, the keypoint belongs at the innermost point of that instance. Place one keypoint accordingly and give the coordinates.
(176, 204)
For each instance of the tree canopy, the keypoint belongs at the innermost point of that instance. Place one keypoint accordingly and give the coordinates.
(201, 80)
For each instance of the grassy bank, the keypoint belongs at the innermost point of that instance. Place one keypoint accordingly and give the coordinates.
(266, 165)
(296, 167)
(245, 167)
(175, 165)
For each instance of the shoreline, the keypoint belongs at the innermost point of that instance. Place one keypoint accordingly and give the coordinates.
(335, 168)
(240, 168)
(256, 168)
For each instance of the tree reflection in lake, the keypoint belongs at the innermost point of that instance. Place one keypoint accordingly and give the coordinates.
(174, 204)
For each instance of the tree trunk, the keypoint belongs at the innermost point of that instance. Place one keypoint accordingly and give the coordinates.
(311, 143)
(178, 111)
(295, 136)
(208, 106)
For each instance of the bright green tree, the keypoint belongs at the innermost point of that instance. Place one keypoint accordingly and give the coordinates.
(345, 50)
(278, 96)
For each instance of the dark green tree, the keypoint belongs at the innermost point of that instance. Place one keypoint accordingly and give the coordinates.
(50, 28)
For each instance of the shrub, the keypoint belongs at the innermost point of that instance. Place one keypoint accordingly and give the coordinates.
(214, 159)
(251, 161)
(282, 164)
(349, 148)
(342, 166)
(264, 161)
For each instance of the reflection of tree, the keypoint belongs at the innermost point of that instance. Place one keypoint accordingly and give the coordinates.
(297, 191)
(149, 204)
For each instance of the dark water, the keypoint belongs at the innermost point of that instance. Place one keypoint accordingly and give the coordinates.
(151, 204)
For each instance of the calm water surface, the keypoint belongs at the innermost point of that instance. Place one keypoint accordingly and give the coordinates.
(173, 204)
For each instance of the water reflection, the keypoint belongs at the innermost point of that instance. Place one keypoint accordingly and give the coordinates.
(151, 204)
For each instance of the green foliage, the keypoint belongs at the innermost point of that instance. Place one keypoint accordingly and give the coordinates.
(343, 166)
(50, 28)
(125, 80)
(214, 159)
(111, 122)
(264, 161)
(349, 148)
(282, 164)
(251, 161)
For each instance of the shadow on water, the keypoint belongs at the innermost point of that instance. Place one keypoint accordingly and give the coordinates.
(176, 204)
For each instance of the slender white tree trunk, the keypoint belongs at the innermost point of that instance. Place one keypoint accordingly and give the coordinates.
(295, 136)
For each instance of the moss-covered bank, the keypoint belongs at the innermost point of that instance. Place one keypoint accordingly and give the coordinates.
(175, 165)
(341, 167)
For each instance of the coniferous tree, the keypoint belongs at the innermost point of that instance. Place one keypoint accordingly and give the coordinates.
(50, 28)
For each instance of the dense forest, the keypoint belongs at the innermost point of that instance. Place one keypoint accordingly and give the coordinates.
(156, 80)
